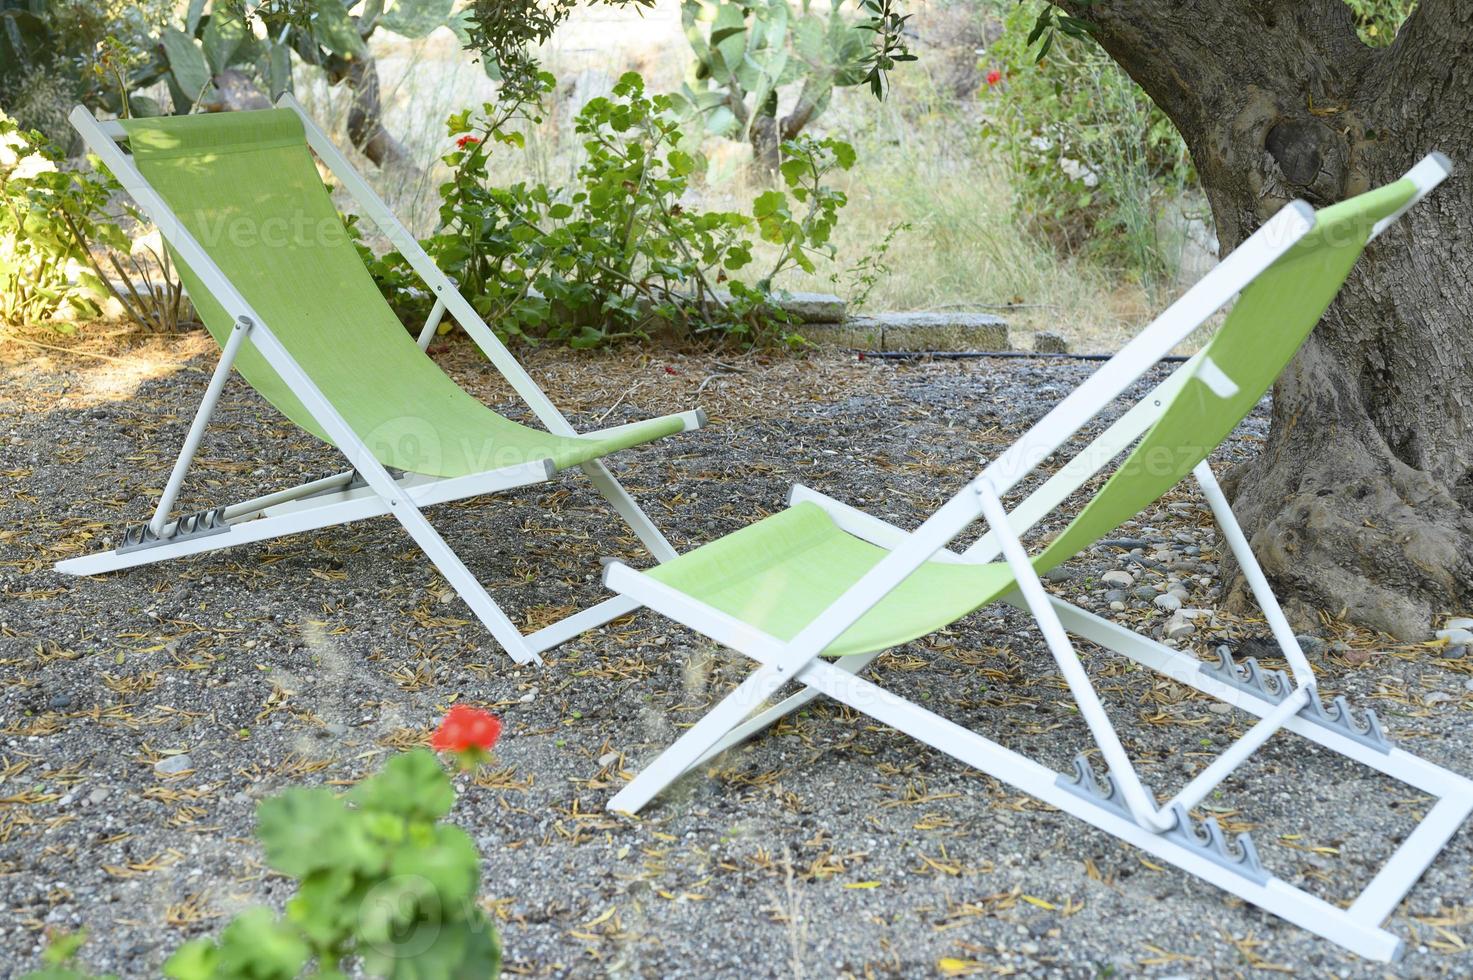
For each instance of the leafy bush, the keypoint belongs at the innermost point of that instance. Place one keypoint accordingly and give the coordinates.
(56, 53)
(618, 254)
(380, 880)
(1379, 20)
(1088, 149)
(48, 216)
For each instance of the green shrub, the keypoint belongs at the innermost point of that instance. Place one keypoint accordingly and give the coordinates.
(1379, 20)
(1090, 153)
(618, 254)
(49, 215)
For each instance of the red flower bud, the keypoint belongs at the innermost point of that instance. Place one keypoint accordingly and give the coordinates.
(467, 140)
(993, 77)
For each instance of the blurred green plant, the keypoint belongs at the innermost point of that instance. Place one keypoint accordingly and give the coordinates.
(380, 880)
(745, 51)
(1091, 156)
(616, 255)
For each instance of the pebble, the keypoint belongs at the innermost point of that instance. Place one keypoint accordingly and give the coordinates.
(1169, 602)
(1456, 637)
(1218, 708)
(1125, 544)
(1311, 645)
(1116, 595)
(1144, 592)
(1177, 627)
(1118, 579)
(1459, 623)
(170, 765)
(1117, 606)
(59, 701)
(97, 795)
(1060, 574)
(608, 759)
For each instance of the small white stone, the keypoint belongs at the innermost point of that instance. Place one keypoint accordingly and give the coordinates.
(1459, 623)
(173, 765)
(1168, 602)
(1117, 607)
(1177, 627)
(608, 759)
(1118, 579)
(1456, 637)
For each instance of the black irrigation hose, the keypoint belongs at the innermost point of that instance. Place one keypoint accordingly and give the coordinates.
(966, 355)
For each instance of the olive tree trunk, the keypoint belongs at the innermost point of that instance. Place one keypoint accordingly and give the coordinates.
(1360, 503)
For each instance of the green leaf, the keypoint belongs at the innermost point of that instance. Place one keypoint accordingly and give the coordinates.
(303, 830)
(844, 153)
(192, 16)
(443, 859)
(257, 946)
(416, 18)
(195, 960)
(769, 203)
(326, 906)
(187, 64)
(222, 37)
(334, 29)
(413, 785)
(279, 70)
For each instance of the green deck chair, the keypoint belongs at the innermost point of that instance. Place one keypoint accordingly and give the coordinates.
(280, 285)
(816, 591)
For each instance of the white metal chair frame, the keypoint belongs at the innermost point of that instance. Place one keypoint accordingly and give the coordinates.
(1117, 803)
(338, 499)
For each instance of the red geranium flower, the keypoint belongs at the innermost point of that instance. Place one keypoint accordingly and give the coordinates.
(993, 77)
(467, 140)
(469, 732)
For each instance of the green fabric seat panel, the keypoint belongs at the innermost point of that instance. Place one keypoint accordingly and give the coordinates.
(245, 186)
(780, 573)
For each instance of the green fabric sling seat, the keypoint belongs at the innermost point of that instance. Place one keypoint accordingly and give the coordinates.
(245, 185)
(780, 573)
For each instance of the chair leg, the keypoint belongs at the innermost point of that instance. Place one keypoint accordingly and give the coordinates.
(779, 711)
(1237, 542)
(669, 765)
(613, 491)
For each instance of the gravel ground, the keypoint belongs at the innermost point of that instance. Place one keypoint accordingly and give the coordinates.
(831, 847)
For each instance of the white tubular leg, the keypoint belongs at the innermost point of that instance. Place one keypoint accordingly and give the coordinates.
(432, 323)
(201, 422)
(639, 522)
(1142, 807)
(759, 722)
(1237, 541)
(671, 764)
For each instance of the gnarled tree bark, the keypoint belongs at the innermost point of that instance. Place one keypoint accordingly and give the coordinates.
(1361, 501)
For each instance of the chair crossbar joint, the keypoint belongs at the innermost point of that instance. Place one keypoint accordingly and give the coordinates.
(1273, 686)
(197, 525)
(1206, 838)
